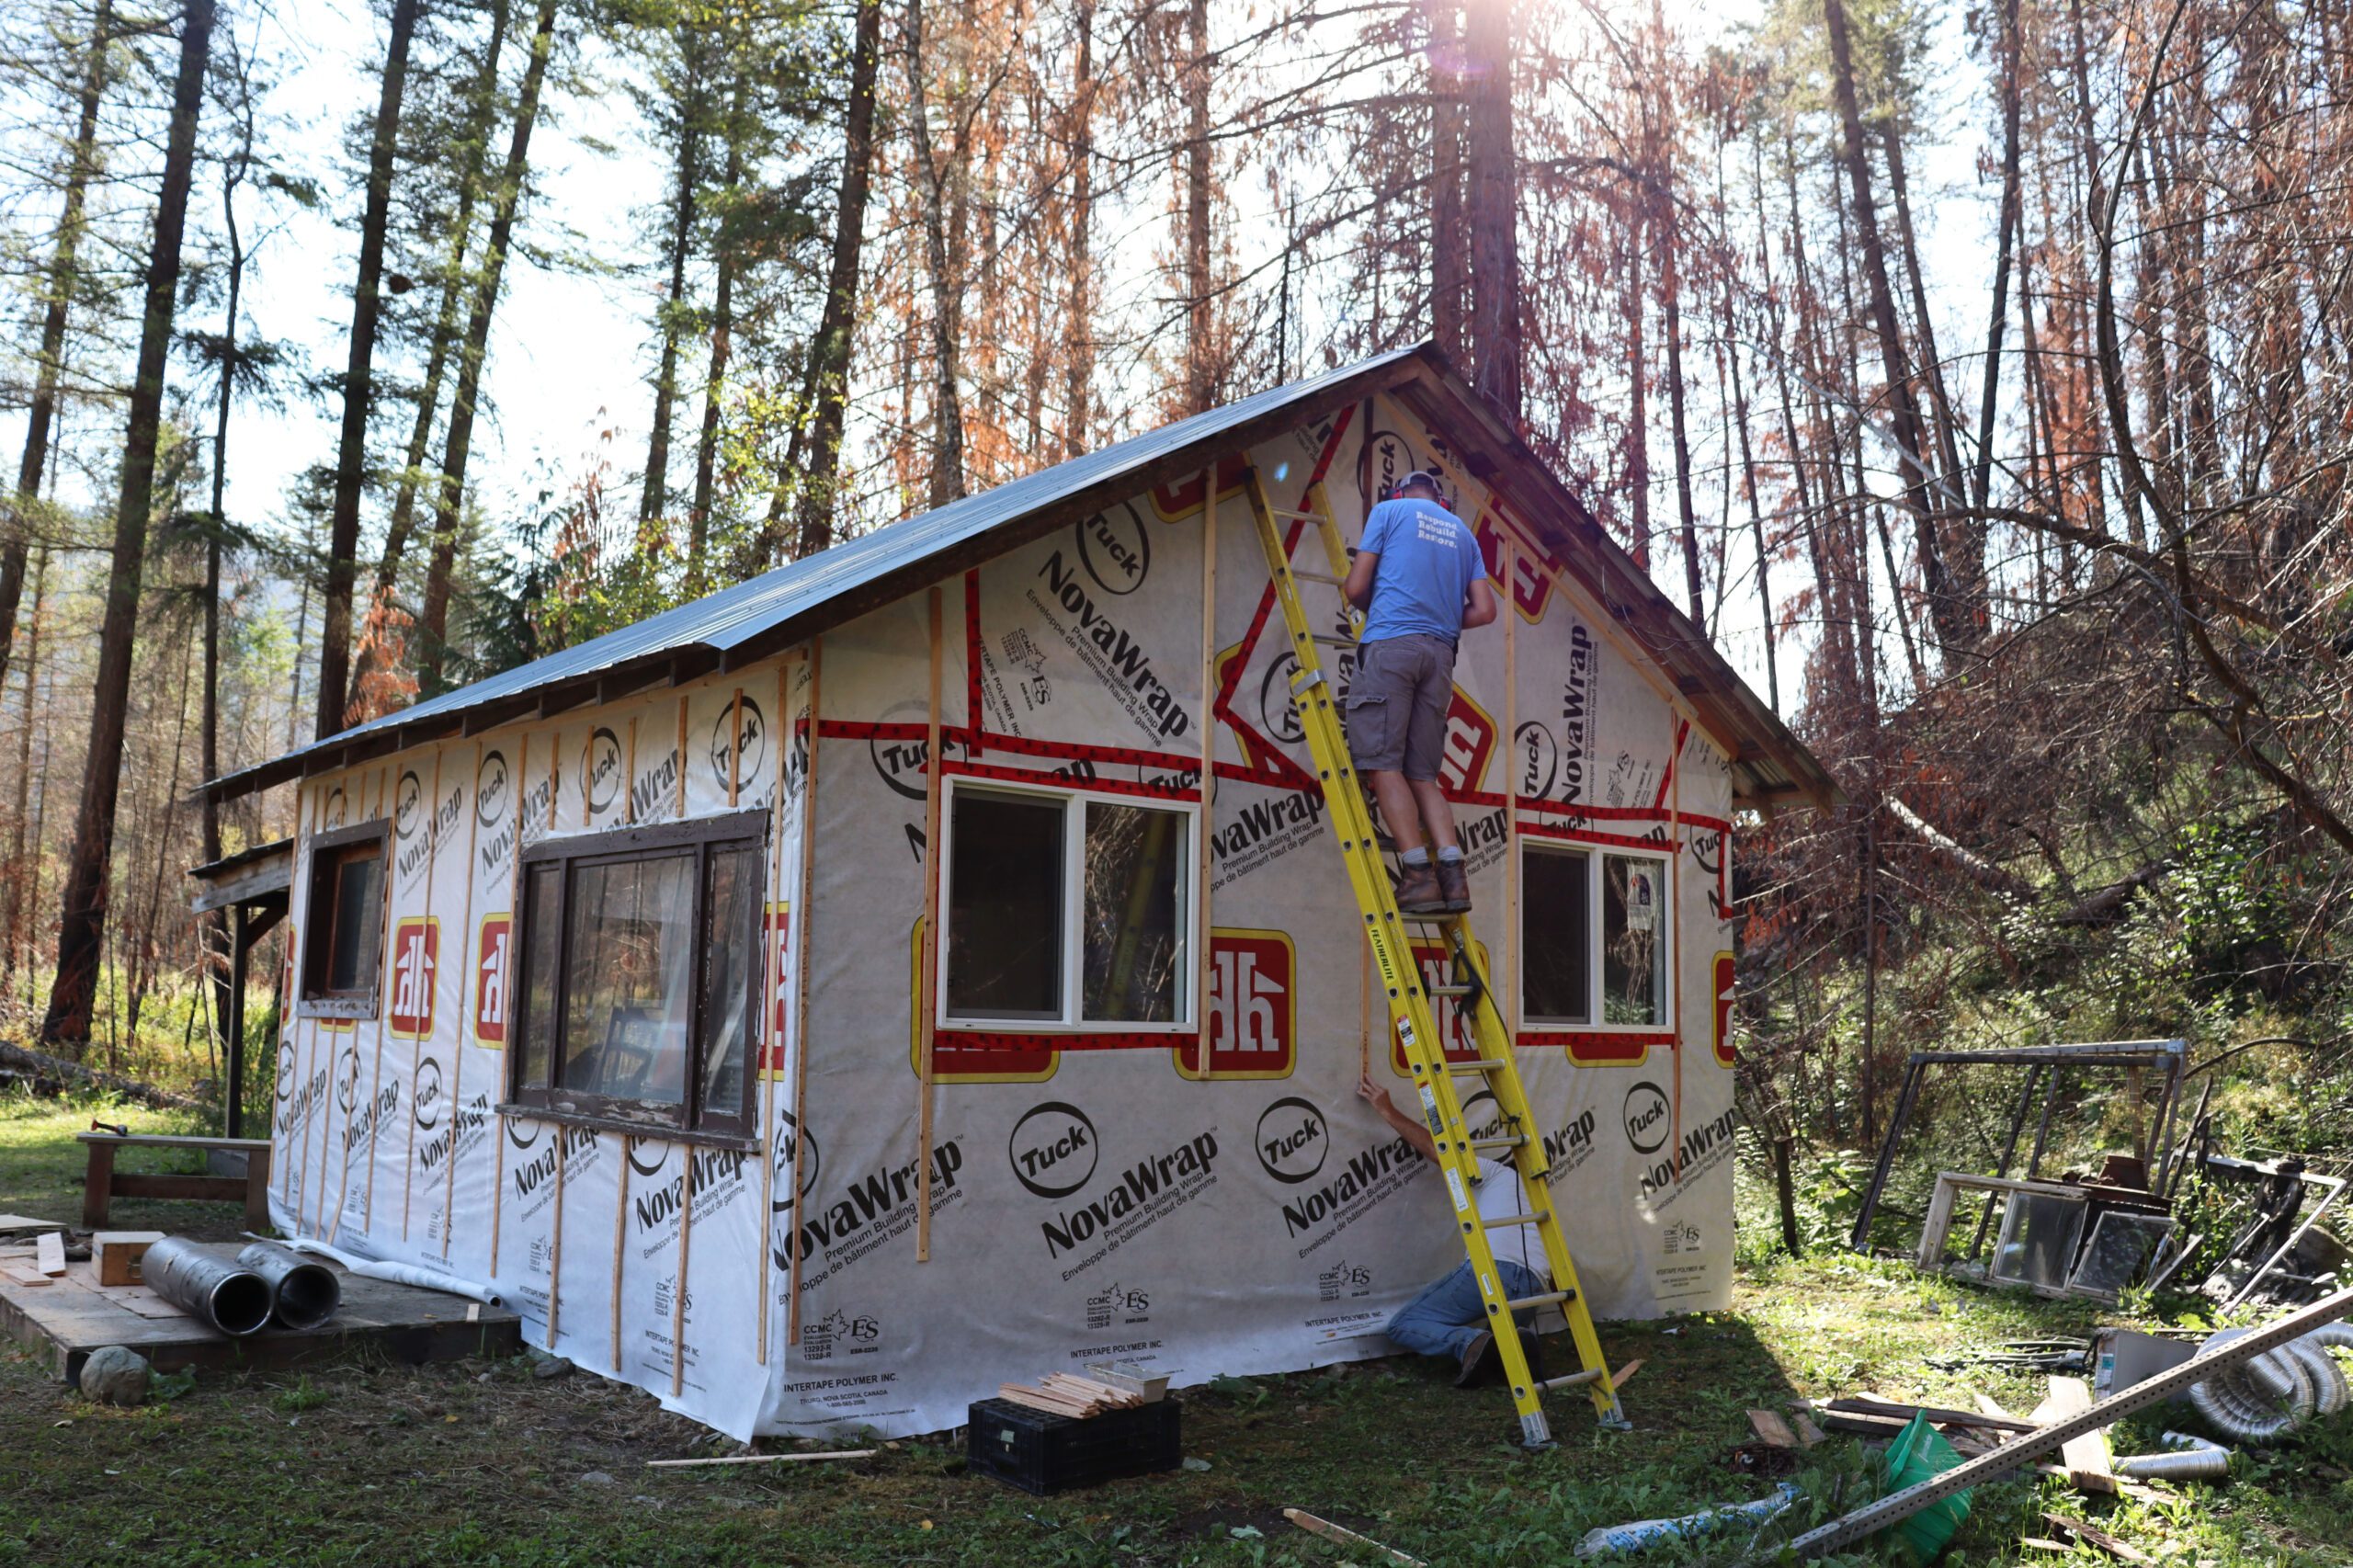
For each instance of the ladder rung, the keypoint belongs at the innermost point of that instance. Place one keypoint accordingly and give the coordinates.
(1305, 516)
(1318, 577)
(1512, 1142)
(1335, 641)
(1466, 1069)
(1515, 1220)
(1590, 1375)
(1546, 1300)
(1451, 990)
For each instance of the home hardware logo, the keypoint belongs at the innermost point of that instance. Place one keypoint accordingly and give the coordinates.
(604, 769)
(1576, 713)
(1121, 658)
(754, 749)
(1115, 548)
(872, 1200)
(1052, 1149)
(425, 1102)
(1158, 1177)
(1648, 1117)
(1293, 1139)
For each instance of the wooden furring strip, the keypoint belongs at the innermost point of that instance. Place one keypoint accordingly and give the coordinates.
(927, 996)
(1205, 971)
(801, 986)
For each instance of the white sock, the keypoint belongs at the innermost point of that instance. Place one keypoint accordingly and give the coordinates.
(1451, 854)
(1420, 856)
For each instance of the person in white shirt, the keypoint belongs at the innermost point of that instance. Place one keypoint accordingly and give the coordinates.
(1448, 1318)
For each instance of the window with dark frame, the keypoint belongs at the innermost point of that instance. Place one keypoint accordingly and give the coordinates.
(343, 922)
(639, 954)
(1556, 935)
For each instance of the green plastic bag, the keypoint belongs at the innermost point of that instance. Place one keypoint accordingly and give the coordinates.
(1920, 1453)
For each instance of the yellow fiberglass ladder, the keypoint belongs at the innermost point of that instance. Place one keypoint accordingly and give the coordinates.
(1410, 998)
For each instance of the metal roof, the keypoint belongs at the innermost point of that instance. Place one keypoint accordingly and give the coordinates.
(754, 620)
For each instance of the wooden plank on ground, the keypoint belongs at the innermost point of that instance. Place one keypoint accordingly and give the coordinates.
(50, 1254)
(2086, 1458)
(2100, 1538)
(1808, 1433)
(1772, 1428)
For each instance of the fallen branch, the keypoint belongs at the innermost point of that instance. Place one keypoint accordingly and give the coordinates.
(1346, 1536)
(75, 1074)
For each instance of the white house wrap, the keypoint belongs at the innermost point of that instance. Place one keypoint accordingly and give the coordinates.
(1213, 1200)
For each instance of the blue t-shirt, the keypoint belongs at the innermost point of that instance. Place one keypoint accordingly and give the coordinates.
(1428, 560)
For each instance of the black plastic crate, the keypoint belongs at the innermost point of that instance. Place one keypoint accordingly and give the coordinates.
(1044, 1454)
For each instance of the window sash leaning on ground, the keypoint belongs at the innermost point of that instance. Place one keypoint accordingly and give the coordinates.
(1588, 916)
(637, 957)
(1066, 910)
(343, 922)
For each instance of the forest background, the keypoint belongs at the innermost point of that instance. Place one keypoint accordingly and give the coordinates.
(1974, 375)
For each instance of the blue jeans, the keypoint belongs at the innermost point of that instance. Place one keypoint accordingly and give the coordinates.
(1445, 1318)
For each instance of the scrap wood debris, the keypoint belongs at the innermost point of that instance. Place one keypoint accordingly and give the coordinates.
(1067, 1394)
(1347, 1537)
(2098, 1538)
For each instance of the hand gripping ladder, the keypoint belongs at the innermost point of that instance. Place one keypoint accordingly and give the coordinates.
(1409, 998)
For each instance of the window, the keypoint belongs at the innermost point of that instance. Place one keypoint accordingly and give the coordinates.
(1556, 936)
(640, 953)
(1066, 911)
(343, 924)
(1559, 958)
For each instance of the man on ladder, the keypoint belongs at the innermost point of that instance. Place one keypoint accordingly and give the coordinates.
(1420, 579)
(1448, 1318)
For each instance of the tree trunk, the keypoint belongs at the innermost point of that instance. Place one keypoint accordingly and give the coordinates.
(1948, 610)
(1748, 483)
(1447, 269)
(1201, 372)
(829, 355)
(722, 325)
(19, 896)
(1670, 285)
(81, 938)
(654, 496)
(1494, 232)
(1079, 334)
(458, 443)
(41, 412)
(947, 400)
(358, 381)
(1982, 483)
(1637, 378)
(484, 99)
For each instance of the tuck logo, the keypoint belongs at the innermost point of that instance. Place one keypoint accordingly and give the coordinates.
(790, 1138)
(408, 795)
(1115, 550)
(491, 789)
(286, 1070)
(425, 1100)
(1535, 762)
(602, 766)
(1648, 1117)
(754, 751)
(416, 956)
(1293, 1139)
(492, 953)
(1052, 1149)
(347, 1085)
(901, 765)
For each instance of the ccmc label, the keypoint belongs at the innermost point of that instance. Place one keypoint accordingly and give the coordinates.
(417, 957)
(1253, 1010)
(492, 963)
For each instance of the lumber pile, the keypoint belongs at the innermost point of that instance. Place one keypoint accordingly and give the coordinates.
(1066, 1394)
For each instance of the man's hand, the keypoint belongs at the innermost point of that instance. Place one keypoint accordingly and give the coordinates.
(1363, 564)
(1407, 1128)
(1479, 609)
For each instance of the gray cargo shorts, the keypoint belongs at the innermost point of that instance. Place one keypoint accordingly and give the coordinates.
(1397, 703)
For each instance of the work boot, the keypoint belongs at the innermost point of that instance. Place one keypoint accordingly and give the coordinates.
(1481, 1361)
(1454, 887)
(1417, 890)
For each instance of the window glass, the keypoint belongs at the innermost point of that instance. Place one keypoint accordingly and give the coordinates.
(630, 945)
(358, 913)
(540, 961)
(1005, 907)
(1633, 939)
(1132, 914)
(733, 881)
(1556, 936)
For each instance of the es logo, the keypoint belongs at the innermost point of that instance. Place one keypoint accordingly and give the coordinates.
(788, 1147)
(1648, 1117)
(490, 790)
(1293, 1139)
(407, 797)
(743, 720)
(1115, 548)
(1052, 1149)
(604, 770)
(1535, 761)
(426, 1100)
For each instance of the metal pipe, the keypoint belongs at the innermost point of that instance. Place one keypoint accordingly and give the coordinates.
(303, 1294)
(2195, 1464)
(210, 1289)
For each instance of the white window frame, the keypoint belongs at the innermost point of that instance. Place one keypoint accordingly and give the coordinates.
(1664, 857)
(1073, 956)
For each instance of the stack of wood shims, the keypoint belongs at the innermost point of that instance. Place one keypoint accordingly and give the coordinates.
(1066, 1394)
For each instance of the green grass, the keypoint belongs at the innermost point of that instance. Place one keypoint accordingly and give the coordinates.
(480, 1464)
